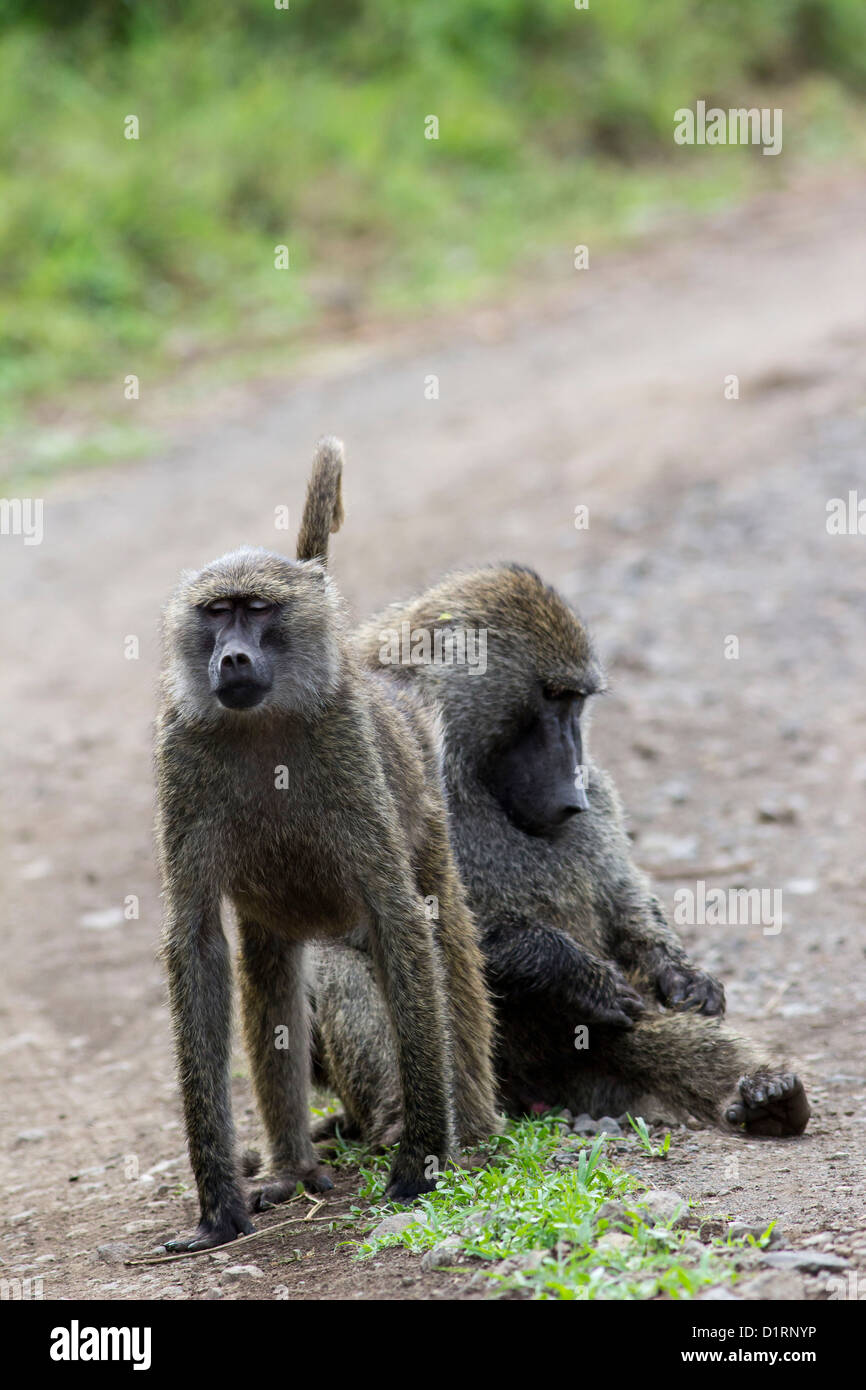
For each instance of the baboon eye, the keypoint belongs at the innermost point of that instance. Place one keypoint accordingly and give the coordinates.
(259, 605)
(558, 692)
(220, 605)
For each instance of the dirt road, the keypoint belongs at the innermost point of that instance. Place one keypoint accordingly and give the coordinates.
(707, 520)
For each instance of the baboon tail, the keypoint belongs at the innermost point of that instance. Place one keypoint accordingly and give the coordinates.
(323, 509)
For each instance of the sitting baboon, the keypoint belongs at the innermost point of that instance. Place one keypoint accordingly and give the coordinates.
(570, 929)
(307, 791)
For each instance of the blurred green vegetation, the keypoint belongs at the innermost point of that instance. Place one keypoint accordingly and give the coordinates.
(305, 126)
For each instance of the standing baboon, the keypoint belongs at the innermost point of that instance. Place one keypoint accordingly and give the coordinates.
(571, 932)
(306, 791)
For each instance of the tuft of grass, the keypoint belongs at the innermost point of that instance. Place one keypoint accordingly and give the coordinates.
(549, 1219)
(639, 1125)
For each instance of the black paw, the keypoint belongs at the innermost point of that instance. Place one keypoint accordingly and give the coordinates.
(614, 1002)
(406, 1189)
(227, 1227)
(280, 1188)
(682, 987)
(771, 1105)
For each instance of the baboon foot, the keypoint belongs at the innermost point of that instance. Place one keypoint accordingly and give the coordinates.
(406, 1189)
(284, 1185)
(772, 1106)
(415, 1170)
(230, 1224)
(334, 1127)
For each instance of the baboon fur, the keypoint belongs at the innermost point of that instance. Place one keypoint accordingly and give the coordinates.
(571, 931)
(313, 803)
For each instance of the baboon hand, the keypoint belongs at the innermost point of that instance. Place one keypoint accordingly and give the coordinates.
(682, 987)
(284, 1185)
(609, 999)
(230, 1224)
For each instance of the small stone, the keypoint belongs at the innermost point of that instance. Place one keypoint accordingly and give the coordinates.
(213, 1294)
(718, 1294)
(772, 1286)
(447, 1252)
(513, 1264)
(30, 1136)
(739, 1230)
(235, 1273)
(676, 792)
(614, 1240)
(777, 813)
(102, 920)
(612, 1211)
(810, 1261)
(115, 1252)
(665, 1207)
(608, 1125)
(394, 1225)
(584, 1124)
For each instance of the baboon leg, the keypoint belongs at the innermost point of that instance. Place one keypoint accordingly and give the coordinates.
(409, 976)
(199, 982)
(357, 1045)
(687, 1062)
(277, 1036)
(471, 1012)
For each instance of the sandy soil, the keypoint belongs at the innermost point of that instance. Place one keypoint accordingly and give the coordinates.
(707, 519)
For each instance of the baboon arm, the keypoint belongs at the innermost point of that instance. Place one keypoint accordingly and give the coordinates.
(540, 961)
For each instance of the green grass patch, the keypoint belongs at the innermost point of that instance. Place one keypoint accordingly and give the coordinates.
(548, 1215)
(306, 128)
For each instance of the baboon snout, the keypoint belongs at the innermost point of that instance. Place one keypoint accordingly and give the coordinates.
(240, 678)
(235, 660)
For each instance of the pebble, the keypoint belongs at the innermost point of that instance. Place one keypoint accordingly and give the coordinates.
(235, 1273)
(393, 1225)
(772, 1286)
(665, 1207)
(614, 1240)
(102, 920)
(810, 1261)
(115, 1252)
(585, 1124)
(740, 1229)
(447, 1252)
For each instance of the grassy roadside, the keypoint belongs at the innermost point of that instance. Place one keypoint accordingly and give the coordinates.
(306, 129)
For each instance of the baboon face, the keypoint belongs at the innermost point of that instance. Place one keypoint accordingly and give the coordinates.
(537, 777)
(519, 727)
(242, 631)
(253, 631)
